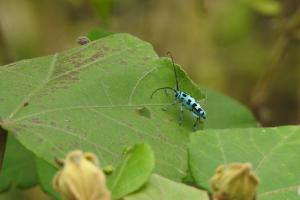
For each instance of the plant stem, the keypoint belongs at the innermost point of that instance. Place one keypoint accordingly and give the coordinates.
(3, 49)
(6, 59)
(262, 88)
(3, 139)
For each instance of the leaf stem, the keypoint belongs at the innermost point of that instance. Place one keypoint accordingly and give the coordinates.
(3, 139)
(6, 56)
(262, 88)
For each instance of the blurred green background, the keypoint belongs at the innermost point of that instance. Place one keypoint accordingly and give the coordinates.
(248, 49)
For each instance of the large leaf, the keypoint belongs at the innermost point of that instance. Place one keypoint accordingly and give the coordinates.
(162, 188)
(273, 152)
(46, 172)
(224, 112)
(18, 168)
(97, 98)
(133, 172)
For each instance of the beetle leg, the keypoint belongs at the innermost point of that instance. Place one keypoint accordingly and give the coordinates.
(180, 119)
(195, 126)
(166, 108)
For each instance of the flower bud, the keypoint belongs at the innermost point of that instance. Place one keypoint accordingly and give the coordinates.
(82, 40)
(234, 181)
(108, 169)
(81, 178)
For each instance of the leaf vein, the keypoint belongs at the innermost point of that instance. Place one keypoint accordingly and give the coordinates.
(76, 136)
(279, 190)
(272, 150)
(134, 129)
(137, 84)
(28, 97)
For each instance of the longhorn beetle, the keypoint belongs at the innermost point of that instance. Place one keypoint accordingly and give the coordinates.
(185, 100)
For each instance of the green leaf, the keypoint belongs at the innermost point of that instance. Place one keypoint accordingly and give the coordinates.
(224, 112)
(267, 7)
(97, 98)
(162, 188)
(46, 173)
(273, 152)
(18, 168)
(98, 33)
(133, 172)
(103, 9)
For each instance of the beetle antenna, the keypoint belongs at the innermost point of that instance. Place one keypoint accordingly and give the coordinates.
(169, 54)
(162, 89)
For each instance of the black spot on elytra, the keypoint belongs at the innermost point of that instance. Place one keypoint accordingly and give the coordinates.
(184, 95)
(189, 101)
(144, 112)
(194, 105)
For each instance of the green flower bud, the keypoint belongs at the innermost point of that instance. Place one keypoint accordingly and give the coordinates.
(108, 169)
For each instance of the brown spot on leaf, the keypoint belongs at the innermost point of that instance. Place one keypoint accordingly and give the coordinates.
(40, 140)
(61, 147)
(52, 123)
(115, 49)
(36, 121)
(75, 145)
(53, 149)
(123, 62)
(147, 58)
(105, 48)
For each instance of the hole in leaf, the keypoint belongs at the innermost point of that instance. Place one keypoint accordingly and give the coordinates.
(143, 111)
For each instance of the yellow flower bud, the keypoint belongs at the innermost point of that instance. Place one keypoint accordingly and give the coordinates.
(81, 178)
(234, 181)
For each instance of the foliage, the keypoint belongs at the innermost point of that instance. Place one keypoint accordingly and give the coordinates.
(273, 152)
(133, 172)
(92, 83)
(18, 168)
(228, 44)
(46, 172)
(161, 188)
(97, 98)
(98, 33)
